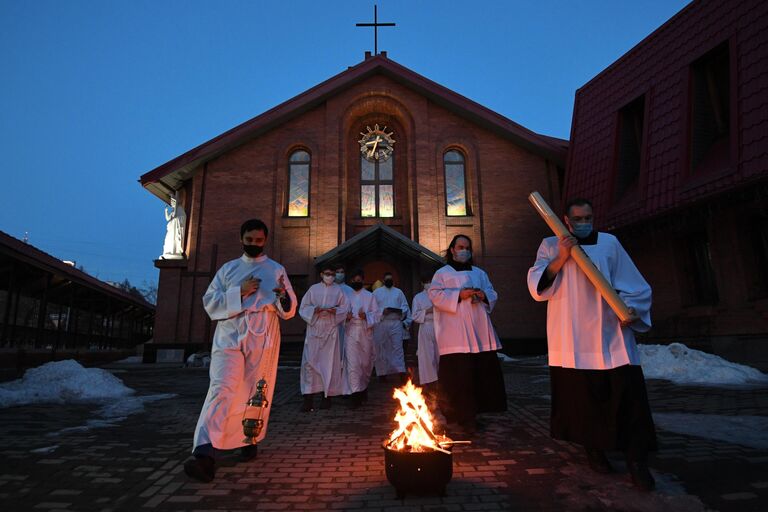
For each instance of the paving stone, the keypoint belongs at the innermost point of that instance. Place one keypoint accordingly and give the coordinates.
(333, 460)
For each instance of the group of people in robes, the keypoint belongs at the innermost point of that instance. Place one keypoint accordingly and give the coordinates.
(362, 332)
(599, 398)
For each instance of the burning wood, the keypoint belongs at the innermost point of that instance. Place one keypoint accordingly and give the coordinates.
(415, 430)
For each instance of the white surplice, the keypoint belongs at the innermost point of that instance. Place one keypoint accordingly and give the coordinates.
(358, 341)
(388, 333)
(348, 291)
(462, 327)
(427, 353)
(245, 349)
(582, 330)
(321, 360)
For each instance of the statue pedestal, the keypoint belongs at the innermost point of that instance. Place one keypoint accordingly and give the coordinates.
(180, 262)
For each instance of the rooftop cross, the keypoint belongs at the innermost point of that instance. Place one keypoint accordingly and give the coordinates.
(375, 26)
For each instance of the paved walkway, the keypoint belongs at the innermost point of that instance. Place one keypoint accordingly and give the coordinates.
(333, 460)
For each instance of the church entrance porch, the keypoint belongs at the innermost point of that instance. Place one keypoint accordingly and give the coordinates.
(380, 249)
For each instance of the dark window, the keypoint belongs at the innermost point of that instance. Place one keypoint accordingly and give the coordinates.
(455, 184)
(698, 275)
(710, 111)
(630, 147)
(298, 184)
(377, 193)
(754, 237)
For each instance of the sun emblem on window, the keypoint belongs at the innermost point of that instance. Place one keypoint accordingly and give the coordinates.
(376, 144)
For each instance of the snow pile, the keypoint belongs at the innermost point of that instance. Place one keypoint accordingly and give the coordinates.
(505, 358)
(66, 382)
(62, 382)
(199, 359)
(683, 365)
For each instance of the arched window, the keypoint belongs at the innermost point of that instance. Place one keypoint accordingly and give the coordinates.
(455, 184)
(377, 194)
(298, 184)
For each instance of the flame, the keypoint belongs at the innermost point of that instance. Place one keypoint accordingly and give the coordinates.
(415, 423)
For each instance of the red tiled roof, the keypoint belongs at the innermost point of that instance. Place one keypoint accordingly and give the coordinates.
(550, 147)
(659, 67)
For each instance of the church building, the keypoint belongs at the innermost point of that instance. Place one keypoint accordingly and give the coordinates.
(377, 167)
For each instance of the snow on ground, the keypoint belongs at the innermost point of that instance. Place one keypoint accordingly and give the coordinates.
(749, 431)
(65, 382)
(62, 382)
(505, 358)
(683, 365)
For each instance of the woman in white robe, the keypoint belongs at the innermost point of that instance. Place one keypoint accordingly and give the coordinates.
(323, 307)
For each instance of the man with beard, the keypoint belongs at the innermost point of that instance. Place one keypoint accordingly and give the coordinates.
(469, 376)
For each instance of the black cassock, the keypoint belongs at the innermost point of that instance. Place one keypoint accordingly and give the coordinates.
(605, 409)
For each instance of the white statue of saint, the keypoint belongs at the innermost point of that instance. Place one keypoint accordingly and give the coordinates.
(173, 247)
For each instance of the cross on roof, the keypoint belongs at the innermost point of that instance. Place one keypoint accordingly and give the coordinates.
(375, 26)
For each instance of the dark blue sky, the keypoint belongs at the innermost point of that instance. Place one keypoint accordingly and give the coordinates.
(94, 94)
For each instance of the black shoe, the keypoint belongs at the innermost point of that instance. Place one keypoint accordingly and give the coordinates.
(598, 462)
(364, 395)
(641, 475)
(248, 452)
(200, 468)
(308, 405)
(325, 402)
(356, 400)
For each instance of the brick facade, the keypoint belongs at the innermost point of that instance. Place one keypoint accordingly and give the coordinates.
(504, 162)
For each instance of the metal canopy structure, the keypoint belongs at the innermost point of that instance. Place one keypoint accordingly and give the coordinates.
(379, 240)
(48, 305)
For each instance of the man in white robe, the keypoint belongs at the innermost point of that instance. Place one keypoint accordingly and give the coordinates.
(323, 307)
(339, 279)
(469, 376)
(388, 333)
(599, 398)
(358, 346)
(427, 351)
(247, 296)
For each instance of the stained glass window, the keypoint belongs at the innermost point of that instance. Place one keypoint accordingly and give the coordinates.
(377, 194)
(298, 184)
(368, 201)
(455, 184)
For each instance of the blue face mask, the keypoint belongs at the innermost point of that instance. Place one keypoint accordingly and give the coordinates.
(582, 230)
(463, 256)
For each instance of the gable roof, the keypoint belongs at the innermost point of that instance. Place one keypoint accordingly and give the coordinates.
(162, 180)
(381, 239)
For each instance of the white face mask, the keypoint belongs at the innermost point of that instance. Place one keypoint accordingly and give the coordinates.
(463, 255)
(426, 285)
(328, 279)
